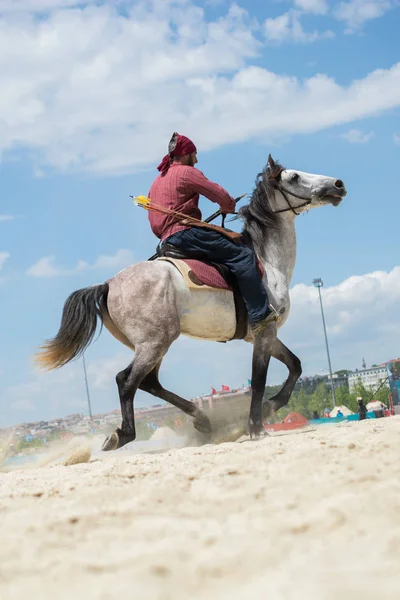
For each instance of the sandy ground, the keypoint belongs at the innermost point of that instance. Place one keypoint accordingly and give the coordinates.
(312, 514)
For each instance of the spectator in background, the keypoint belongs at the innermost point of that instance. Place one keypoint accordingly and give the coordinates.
(362, 409)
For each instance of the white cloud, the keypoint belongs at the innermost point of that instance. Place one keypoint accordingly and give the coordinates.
(355, 136)
(357, 12)
(396, 139)
(4, 218)
(54, 394)
(37, 6)
(103, 371)
(46, 266)
(3, 257)
(58, 393)
(318, 7)
(288, 28)
(88, 91)
(362, 319)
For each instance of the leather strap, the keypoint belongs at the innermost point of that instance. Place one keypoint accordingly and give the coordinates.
(231, 235)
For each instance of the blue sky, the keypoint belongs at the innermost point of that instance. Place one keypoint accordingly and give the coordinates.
(91, 94)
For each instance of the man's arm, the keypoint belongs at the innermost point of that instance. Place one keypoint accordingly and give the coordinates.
(197, 183)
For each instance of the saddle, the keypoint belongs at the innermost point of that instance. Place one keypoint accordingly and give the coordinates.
(167, 250)
(171, 251)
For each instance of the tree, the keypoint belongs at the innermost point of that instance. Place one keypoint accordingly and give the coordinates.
(299, 403)
(361, 390)
(320, 400)
(343, 397)
(382, 395)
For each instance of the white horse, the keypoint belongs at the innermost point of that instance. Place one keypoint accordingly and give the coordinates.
(147, 306)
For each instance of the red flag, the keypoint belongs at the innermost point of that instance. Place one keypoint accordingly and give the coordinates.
(213, 391)
(225, 388)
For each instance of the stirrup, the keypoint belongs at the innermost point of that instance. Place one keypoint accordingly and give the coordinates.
(278, 313)
(274, 317)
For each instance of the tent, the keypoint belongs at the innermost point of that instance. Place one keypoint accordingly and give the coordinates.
(344, 410)
(293, 420)
(376, 405)
(294, 417)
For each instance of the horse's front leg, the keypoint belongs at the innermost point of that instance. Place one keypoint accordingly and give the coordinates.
(261, 356)
(290, 360)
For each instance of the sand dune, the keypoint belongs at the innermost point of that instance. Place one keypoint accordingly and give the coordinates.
(313, 515)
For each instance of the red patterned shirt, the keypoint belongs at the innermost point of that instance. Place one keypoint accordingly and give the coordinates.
(179, 189)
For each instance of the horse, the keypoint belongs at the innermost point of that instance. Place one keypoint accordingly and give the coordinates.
(148, 305)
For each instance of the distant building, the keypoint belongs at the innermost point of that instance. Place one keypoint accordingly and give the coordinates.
(371, 378)
(338, 380)
(311, 383)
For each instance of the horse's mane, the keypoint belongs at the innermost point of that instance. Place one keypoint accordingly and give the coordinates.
(258, 215)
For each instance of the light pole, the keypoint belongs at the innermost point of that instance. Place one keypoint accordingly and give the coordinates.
(318, 283)
(87, 390)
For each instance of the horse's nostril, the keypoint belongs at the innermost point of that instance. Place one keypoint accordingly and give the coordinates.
(339, 183)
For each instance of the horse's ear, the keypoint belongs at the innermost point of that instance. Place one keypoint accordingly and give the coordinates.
(271, 163)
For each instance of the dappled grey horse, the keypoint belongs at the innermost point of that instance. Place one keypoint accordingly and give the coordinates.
(147, 306)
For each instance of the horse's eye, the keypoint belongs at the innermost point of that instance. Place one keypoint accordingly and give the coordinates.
(295, 177)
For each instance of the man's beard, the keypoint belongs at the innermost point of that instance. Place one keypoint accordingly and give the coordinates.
(191, 161)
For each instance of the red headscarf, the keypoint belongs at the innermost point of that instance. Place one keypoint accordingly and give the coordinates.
(179, 145)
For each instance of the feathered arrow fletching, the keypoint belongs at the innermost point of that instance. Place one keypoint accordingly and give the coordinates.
(142, 201)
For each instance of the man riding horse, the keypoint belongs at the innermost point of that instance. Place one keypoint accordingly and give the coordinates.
(149, 323)
(178, 188)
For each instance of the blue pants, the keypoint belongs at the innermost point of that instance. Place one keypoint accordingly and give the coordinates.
(239, 259)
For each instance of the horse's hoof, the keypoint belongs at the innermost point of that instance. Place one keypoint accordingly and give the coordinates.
(111, 442)
(256, 430)
(117, 439)
(204, 426)
(202, 423)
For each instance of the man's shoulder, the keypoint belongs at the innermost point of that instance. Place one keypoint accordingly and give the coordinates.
(192, 172)
(184, 172)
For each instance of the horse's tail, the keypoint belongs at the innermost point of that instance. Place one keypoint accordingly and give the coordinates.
(78, 326)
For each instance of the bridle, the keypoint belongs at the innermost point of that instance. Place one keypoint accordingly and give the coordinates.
(284, 193)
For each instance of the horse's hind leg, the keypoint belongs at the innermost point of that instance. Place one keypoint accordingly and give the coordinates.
(290, 360)
(152, 385)
(146, 358)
